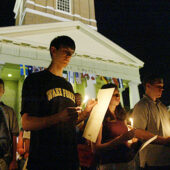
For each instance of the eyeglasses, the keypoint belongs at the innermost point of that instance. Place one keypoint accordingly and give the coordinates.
(116, 95)
(67, 52)
(158, 86)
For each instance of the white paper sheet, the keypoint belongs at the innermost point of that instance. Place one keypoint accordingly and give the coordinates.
(148, 142)
(97, 115)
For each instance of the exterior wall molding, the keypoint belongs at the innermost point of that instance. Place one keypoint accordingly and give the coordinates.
(56, 10)
(46, 15)
(114, 53)
(40, 56)
(16, 7)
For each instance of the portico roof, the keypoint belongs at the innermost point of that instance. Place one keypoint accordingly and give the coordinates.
(28, 44)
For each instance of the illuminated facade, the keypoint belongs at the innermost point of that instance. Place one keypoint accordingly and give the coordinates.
(47, 11)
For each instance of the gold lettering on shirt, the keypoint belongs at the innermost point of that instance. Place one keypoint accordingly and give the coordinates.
(52, 93)
(64, 93)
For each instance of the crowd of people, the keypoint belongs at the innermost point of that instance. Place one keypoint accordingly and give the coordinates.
(53, 122)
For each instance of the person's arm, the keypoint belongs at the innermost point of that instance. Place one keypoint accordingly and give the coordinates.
(13, 165)
(140, 115)
(86, 113)
(20, 145)
(146, 135)
(26, 147)
(98, 146)
(38, 123)
(82, 116)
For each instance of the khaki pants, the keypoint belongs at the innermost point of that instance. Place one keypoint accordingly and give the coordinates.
(3, 165)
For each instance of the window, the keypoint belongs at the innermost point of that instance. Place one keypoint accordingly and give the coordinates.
(63, 5)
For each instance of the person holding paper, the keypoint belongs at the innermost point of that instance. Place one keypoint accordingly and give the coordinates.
(111, 145)
(49, 112)
(151, 118)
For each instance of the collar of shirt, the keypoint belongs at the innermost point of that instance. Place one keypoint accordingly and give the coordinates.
(150, 100)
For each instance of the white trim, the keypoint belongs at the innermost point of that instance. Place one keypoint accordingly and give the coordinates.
(36, 56)
(94, 28)
(76, 27)
(24, 49)
(78, 16)
(22, 17)
(47, 15)
(70, 3)
(56, 10)
(50, 7)
(21, 12)
(16, 7)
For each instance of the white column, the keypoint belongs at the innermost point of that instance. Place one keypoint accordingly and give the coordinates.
(121, 96)
(1, 66)
(133, 93)
(90, 90)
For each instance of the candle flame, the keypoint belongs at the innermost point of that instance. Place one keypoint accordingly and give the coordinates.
(131, 121)
(85, 99)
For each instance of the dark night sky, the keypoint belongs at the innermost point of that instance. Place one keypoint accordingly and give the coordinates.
(142, 28)
(6, 13)
(139, 26)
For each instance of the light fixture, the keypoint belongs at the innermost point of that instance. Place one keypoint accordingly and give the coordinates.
(9, 75)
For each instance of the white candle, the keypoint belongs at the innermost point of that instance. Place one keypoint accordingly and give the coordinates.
(131, 121)
(85, 99)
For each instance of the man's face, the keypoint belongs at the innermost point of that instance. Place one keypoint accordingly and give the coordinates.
(1, 90)
(63, 55)
(155, 89)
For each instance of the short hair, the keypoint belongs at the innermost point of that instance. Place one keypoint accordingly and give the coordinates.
(109, 85)
(1, 82)
(151, 79)
(63, 41)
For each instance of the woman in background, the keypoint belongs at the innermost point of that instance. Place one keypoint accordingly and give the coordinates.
(112, 144)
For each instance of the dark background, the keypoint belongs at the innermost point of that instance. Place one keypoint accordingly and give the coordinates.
(142, 28)
(139, 26)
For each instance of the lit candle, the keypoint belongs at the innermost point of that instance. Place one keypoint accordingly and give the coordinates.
(85, 99)
(131, 121)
